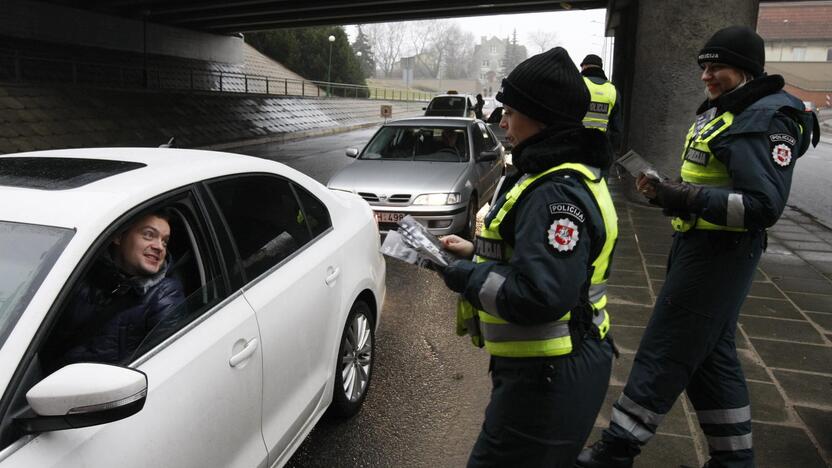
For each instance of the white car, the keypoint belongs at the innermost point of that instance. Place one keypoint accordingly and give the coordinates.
(282, 286)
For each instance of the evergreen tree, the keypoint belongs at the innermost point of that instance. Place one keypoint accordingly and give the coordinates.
(306, 52)
(513, 56)
(367, 61)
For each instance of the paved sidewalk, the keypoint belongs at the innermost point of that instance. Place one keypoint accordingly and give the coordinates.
(784, 339)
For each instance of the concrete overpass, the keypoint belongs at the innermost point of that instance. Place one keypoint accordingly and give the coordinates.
(655, 40)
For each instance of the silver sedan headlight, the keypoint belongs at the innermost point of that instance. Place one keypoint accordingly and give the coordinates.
(438, 199)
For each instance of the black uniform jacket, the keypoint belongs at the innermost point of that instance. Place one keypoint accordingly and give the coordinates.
(770, 131)
(545, 277)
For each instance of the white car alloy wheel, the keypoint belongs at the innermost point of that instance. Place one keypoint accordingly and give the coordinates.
(355, 361)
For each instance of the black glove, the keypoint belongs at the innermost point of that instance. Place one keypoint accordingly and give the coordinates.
(676, 197)
(456, 275)
(434, 266)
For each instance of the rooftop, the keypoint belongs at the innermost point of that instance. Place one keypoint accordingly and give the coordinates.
(795, 20)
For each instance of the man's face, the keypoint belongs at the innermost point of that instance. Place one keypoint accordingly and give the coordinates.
(449, 136)
(518, 126)
(719, 79)
(141, 250)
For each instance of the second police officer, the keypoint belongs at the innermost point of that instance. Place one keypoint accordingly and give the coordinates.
(736, 172)
(535, 292)
(605, 101)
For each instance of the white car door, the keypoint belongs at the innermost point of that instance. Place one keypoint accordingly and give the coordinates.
(294, 286)
(203, 405)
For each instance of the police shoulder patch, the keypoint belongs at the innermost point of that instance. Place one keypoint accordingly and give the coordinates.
(567, 209)
(782, 155)
(776, 138)
(563, 235)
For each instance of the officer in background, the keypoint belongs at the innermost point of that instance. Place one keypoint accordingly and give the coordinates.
(535, 293)
(605, 101)
(736, 173)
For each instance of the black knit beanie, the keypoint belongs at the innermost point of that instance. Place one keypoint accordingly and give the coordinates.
(548, 88)
(738, 46)
(592, 59)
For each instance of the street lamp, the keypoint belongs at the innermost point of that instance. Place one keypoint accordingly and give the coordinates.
(329, 68)
(361, 70)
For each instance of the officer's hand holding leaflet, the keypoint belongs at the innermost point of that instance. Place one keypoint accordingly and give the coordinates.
(413, 243)
(456, 274)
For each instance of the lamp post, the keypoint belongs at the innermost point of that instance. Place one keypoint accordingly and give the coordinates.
(329, 68)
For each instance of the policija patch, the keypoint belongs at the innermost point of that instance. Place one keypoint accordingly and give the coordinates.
(781, 148)
(563, 235)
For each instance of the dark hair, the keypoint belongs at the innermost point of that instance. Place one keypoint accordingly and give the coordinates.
(158, 212)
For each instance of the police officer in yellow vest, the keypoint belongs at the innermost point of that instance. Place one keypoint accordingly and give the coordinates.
(535, 294)
(604, 111)
(737, 167)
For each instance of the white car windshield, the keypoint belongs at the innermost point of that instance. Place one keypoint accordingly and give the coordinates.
(439, 144)
(27, 253)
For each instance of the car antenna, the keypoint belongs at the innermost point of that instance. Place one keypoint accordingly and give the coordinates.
(169, 144)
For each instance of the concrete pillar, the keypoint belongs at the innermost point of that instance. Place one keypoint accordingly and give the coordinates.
(662, 88)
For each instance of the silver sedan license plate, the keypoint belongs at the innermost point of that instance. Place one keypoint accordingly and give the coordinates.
(388, 217)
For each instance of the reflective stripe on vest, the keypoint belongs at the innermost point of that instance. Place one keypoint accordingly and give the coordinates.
(602, 99)
(701, 167)
(503, 338)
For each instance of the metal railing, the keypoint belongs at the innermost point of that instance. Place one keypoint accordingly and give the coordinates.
(17, 67)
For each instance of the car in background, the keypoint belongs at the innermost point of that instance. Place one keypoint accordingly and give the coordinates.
(493, 123)
(409, 168)
(450, 105)
(489, 106)
(283, 285)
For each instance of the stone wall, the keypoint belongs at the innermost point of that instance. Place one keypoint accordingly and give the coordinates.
(39, 118)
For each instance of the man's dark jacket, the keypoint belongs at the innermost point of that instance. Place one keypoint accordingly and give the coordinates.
(111, 314)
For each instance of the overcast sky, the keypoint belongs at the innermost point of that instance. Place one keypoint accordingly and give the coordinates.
(579, 32)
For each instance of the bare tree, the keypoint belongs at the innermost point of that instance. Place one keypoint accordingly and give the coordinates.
(459, 52)
(387, 40)
(545, 40)
(429, 40)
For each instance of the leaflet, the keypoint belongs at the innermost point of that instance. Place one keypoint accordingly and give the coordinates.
(414, 244)
(636, 165)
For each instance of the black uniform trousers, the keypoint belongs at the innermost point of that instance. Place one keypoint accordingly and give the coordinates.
(543, 409)
(689, 344)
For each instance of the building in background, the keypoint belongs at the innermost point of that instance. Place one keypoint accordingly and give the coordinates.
(798, 39)
(490, 62)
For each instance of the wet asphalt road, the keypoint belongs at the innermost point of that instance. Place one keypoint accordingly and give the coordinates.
(429, 387)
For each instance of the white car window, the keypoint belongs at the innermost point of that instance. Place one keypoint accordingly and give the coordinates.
(265, 220)
(27, 253)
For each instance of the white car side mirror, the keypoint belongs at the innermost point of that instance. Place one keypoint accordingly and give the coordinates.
(352, 152)
(84, 394)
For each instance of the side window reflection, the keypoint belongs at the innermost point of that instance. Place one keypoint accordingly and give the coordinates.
(314, 212)
(265, 220)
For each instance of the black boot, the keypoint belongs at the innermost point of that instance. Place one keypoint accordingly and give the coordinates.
(603, 455)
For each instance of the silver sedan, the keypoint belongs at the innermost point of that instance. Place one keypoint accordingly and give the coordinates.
(440, 170)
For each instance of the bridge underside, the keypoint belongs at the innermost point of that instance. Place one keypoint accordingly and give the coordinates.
(252, 15)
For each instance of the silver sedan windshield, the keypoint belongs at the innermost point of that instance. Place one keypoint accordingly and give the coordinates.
(440, 144)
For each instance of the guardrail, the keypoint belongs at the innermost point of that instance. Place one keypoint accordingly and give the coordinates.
(22, 68)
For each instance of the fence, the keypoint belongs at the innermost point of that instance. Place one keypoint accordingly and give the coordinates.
(22, 68)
